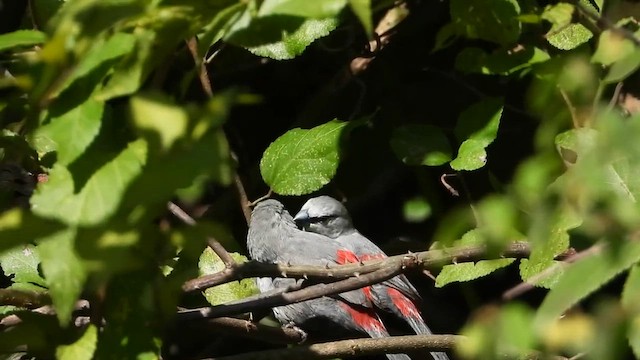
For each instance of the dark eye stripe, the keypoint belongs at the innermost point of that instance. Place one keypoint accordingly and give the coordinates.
(321, 218)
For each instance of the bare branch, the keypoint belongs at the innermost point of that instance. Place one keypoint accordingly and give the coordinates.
(356, 347)
(430, 260)
(222, 253)
(27, 299)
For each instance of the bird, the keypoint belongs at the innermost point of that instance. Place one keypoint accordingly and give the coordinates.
(327, 216)
(274, 237)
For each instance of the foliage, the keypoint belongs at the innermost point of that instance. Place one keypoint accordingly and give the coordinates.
(527, 110)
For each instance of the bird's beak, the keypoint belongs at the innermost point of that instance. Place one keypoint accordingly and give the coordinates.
(301, 217)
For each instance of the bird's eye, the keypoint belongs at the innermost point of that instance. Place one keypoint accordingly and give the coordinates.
(322, 219)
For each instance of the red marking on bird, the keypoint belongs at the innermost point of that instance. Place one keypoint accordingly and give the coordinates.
(403, 303)
(365, 318)
(345, 256)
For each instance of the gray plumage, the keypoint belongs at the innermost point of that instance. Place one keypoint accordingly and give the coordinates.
(274, 237)
(327, 216)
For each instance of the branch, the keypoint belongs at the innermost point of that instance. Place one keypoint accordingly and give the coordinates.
(248, 329)
(284, 297)
(430, 260)
(203, 75)
(27, 299)
(222, 253)
(355, 347)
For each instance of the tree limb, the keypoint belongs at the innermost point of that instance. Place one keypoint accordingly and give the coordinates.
(355, 347)
(430, 260)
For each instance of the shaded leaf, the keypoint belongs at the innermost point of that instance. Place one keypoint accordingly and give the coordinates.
(630, 302)
(18, 226)
(99, 198)
(74, 131)
(21, 38)
(302, 161)
(362, 9)
(574, 286)
(416, 210)
(502, 62)
(306, 9)
(611, 48)
(491, 20)
(82, 349)
(421, 145)
(63, 271)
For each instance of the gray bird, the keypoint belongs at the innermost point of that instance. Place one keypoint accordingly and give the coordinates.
(327, 216)
(274, 237)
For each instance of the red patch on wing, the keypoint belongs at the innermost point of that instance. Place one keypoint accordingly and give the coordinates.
(364, 318)
(403, 303)
(345, 256)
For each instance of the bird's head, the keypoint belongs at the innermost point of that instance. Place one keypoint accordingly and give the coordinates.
(324, 215)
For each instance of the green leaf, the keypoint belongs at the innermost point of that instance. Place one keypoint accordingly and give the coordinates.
(63, 271)
(210, 263)
(611, 48)
(547, 243)
(279, 37)
(92, 68)
(563, 34)
(480, 121)
(152, 46)
(74, 131)
(490, 20)
(469, 271)
(421, 145)
(362, 9)
(574, 286)
(630, 302)
(18, 226)
(21, 38)
(477, 127)
(22, 262)
(471, 156)
(307, 9)
(622, 68)
(98, 198)
(167, 121)
(82, 349)
(416, 210)
(505, 331)
(219, 26)
(302, 161)
(502, 62)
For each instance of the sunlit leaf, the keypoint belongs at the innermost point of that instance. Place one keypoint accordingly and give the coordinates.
(302, 161)
(210, 263)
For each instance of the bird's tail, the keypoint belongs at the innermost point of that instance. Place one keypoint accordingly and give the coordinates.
(379, 332)
(407, 309)
(368, 321)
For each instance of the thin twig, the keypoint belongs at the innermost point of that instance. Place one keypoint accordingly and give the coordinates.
(616, 96)
(528, 285)
(448, 186)
(205, 82)
(356, 347)
(572, 109)
(214, 244)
